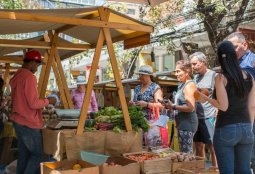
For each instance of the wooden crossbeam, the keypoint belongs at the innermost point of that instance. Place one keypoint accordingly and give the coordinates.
(73, 21)
(42, 45)
(68, 27)
(11, 59)
(103, 13)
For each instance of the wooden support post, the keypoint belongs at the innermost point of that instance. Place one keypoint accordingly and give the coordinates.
(60, 86)
(7, 78)
(63, 80)
(48, 66)
(115, 69)
(43, 69)
(85, 105)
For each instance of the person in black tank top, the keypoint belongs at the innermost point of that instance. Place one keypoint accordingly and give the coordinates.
(235, 99)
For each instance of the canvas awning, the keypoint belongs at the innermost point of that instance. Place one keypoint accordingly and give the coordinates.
(87, 28)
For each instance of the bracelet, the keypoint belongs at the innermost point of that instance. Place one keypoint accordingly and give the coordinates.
(147, 104)
(174, 107)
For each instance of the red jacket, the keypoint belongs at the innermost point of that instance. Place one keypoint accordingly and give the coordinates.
(26, 105)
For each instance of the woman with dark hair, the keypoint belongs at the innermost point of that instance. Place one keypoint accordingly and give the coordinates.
(235, 99)
(186, 117)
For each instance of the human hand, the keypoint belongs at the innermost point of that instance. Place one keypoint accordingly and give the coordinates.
(141, 103)
(131, 103)
(52, 100)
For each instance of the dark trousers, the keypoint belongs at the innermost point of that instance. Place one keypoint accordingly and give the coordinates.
(30, 149)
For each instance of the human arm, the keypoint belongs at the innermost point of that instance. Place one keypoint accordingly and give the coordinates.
(251, 103)
(221, 101)
(31, 94)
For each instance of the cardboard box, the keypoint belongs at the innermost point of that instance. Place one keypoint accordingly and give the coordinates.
(125, 166)
(66, 167)
(201, 171)
(158, 165)
(199, 163)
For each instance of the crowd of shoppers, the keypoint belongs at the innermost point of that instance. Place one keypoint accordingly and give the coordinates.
(222, 117)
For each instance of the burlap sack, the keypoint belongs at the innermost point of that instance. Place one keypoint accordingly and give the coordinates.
(53, 142)
(88, 141)
(118, 143)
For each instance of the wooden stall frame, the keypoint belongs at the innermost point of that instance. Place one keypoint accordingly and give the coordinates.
(52, 59)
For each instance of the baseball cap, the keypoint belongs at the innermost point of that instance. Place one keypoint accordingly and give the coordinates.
(33, 55)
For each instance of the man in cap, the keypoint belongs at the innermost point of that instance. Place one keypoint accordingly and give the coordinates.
(206, 113)
(79, 93)
(26, 114)
(247, 62)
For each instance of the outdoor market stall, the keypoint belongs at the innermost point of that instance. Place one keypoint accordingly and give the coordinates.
(93, 27)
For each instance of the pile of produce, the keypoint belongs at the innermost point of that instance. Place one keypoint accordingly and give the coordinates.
(182, 157)
(142, 156)
(114, 117)
(165, 153)
(111, 164)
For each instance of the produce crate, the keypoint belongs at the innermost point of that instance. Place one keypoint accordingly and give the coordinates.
(120, 165)
(198, 163)
(157, 165)
(203, 171)
(66, 167)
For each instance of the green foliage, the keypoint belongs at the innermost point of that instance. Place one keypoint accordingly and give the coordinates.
(11, 4)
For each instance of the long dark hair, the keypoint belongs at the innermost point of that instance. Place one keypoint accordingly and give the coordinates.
(1, 88)
(228, 60)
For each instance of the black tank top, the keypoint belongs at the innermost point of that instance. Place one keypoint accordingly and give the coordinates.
(237, 111)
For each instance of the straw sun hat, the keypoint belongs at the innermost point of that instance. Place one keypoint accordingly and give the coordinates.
(81, 80)
(146, 70)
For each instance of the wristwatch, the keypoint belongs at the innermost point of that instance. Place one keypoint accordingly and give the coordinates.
(174, 106)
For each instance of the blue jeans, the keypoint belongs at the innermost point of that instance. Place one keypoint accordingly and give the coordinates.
(233, 147)
(253, 151)
(30, 149)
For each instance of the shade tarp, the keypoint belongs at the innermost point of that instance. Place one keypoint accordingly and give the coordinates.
(82, 25)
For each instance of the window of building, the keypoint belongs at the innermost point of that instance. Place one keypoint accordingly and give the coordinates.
(168, 62)
(157, 63)
(131, 11)
(88, 2)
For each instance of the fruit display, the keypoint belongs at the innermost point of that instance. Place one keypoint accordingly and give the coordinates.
(182, 157)
(76, 167)
(165, 152)
(142, 156)
(111, 164)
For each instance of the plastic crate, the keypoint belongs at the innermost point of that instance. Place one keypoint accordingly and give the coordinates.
(94, 158)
